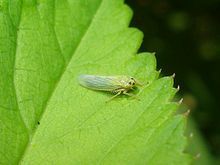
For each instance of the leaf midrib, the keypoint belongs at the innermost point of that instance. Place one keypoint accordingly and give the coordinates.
(59, 79)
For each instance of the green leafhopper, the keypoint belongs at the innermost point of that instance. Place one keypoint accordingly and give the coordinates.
(117, 85)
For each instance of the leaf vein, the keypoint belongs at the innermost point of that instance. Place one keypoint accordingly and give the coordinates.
(56, 84)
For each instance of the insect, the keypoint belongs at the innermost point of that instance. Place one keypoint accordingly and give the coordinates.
(117, 85)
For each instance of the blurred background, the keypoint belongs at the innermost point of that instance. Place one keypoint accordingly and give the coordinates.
(186, 38)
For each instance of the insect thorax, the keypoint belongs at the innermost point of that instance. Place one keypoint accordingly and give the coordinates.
(118, 90)
(115, 91)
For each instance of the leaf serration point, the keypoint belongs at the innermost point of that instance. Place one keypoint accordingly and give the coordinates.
(197, 156)
(159, 71)
(178, 88)
(186, 114)
(191, 135)
(180, 101)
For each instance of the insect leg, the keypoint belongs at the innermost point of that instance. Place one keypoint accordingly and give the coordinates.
(131, 95)
(119, 92)
(132, 89)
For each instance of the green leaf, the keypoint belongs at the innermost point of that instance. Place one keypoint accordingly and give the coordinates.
(47, 118)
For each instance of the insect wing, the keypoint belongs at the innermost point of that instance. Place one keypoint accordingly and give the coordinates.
(104, 83)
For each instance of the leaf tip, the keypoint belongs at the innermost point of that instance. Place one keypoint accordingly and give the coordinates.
(173, 75)
(186, 114)
(191, 135)
(153, 53)
(159, 71)
(178, 88)
(197, 156)
(180, 101)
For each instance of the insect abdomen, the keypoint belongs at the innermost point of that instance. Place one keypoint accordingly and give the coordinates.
(104, 83)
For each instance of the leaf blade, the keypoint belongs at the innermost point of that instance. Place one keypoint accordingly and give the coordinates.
(75, 121)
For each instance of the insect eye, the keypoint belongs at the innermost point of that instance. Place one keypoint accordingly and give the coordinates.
(130, 83)
(133, 83)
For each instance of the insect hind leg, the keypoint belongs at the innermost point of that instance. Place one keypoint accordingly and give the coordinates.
(116, 94)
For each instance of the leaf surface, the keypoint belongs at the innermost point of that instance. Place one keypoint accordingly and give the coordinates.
(46, 117)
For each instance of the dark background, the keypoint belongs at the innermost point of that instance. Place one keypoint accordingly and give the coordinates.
(186, 38)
